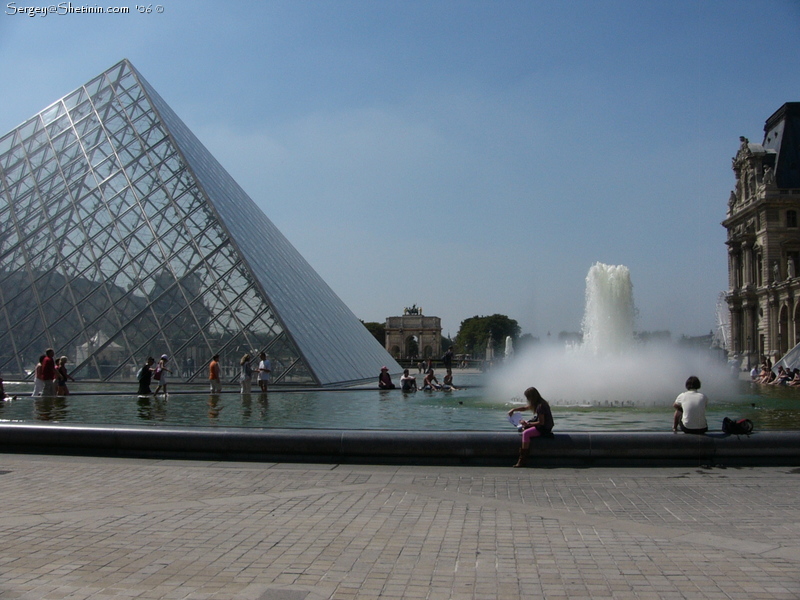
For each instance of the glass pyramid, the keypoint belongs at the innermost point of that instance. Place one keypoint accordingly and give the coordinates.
(121, 237)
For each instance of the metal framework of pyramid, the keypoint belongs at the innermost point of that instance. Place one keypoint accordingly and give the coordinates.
(121, 237)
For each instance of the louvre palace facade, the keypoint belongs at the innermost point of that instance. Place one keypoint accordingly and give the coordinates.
(121, 237)
(764, 241)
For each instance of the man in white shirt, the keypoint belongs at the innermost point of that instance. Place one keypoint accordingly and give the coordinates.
(264, 369)
(690, 409)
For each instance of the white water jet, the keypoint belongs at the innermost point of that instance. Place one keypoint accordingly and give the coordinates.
(509, 347)
(610, 313)
(609, 367)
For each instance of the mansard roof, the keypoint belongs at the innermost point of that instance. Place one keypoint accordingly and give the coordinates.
(782, 134)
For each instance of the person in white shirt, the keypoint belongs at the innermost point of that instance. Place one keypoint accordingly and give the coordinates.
(408, 383)
(690, 409)
(264, 369)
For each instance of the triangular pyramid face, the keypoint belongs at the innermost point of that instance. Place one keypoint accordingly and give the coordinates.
(121, 237)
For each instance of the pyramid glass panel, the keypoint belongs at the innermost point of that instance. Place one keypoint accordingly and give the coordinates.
(121, 237)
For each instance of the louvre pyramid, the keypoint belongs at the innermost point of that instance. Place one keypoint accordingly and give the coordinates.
(122, 237)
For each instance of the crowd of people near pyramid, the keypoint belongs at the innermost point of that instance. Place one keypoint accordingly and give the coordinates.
(765, 374)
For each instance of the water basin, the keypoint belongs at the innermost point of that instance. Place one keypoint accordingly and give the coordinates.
(476, 408)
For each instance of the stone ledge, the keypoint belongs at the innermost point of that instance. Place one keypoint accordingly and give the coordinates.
(403, 447)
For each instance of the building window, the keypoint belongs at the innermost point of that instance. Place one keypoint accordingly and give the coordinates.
(791, 218)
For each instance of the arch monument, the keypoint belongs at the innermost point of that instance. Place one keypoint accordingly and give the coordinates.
(413, 335)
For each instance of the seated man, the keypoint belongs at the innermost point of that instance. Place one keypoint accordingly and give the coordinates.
(782, 377)
(447, 382)
(431, 383)
(408, 383)
(690, 409)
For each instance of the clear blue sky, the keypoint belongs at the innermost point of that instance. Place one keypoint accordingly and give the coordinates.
(469, 157)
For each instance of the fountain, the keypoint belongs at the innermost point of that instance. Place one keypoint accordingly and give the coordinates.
(588, 383)
(509, 352)
(610, 367)
(610, 313)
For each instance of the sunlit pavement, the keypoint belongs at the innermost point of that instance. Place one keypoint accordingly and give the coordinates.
(100, 528)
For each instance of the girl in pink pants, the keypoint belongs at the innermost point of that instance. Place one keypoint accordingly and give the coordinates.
(541, 424)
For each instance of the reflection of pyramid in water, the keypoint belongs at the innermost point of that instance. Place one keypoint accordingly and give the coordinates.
(122, 237)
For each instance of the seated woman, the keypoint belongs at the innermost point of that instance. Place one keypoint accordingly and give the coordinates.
(541, 425)
(408, 383)
(447, 382)
(766, 375)
(431, 383)
(385, 380)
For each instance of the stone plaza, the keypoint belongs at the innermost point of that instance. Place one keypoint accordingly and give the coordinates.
(102, 528)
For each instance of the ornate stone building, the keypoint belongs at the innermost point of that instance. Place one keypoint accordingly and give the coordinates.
(764, 241)
(414, 335)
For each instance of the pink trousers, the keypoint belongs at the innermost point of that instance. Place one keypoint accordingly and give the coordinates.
(530, 432)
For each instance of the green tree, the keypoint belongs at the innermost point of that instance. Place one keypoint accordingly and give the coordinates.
(378, 330)
(526, 340)
(412, 348)
(570, 337)
(475, 332)
(446, 343)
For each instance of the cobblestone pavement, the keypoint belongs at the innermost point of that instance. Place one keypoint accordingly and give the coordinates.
(95, 528)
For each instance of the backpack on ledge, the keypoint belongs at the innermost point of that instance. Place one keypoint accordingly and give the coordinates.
(740, 427)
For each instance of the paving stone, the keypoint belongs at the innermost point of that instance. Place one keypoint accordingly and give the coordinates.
(88, 528)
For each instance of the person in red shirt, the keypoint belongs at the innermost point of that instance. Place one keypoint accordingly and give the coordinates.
(48, 373)
(213, 375)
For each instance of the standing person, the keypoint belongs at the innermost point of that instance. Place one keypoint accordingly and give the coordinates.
(162, 375)
(690, 409)
(61, 377)
(38, 383)
(245, 375)
(447, 359)
(48, 373)
(213, 375)
(145, 376)
(264, 368)
(540, 425)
